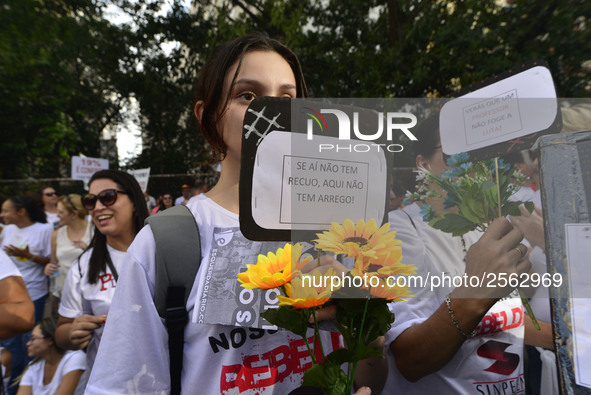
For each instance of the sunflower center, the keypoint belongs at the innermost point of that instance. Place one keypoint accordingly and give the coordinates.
(359, 240)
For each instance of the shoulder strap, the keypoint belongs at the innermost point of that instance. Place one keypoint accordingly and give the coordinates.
(178, 256)
(111, 266)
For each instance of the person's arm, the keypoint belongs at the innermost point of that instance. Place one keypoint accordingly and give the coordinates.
(76, 333)
(538, 338)
(25, 253)
(49, 268)
(24, 390)
(425, 348)
(69, 382)
(75, 328)
(17, 313)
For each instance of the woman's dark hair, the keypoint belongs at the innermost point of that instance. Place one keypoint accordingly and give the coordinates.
(210, 85)
(97, 263)
(428, 139)
(34, 211)
(161, 205)
(48, 326)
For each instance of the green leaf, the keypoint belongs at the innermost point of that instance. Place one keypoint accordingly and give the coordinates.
(511, 208)
(287, 317)
(328, 376)
(453, 223)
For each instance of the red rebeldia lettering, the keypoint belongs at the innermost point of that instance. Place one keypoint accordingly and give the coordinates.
(264, 370)
(105, 279)
(500, 321)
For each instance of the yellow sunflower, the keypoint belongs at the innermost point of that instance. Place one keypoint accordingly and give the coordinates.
(274, 270)
(383, 266)
(361, 239)
(395, 292)
(308, 290)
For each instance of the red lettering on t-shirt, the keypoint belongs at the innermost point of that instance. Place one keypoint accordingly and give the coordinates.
(501, 321)
(263, 370)
(105, 279)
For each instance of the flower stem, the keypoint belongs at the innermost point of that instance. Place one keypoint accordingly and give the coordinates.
(498, 185)
(528, 309)
(309, 350)
(317, 336)
(352, 375)
(308, 344)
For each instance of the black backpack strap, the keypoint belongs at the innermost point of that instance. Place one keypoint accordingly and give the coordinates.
(111, 266)
(178, 256)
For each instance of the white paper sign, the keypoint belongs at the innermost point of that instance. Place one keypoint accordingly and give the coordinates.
(84, 167)
(578, 251)
(309, 190)
(516, 106)
(142, 176)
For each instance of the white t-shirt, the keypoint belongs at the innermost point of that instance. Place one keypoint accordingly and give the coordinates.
(72, 360)
(489, 363)
(79, 297)
(38, 238)
(7, 268)
(179, 200)
(53, 219)
(134, 358)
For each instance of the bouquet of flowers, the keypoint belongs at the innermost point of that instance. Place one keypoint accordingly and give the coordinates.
(474, 194)
(361, 296)
(469, 190)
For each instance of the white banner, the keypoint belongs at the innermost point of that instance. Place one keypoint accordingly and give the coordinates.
(142, 176)
(84, 167)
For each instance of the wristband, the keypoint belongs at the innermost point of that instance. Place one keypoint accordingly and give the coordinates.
(456, 323)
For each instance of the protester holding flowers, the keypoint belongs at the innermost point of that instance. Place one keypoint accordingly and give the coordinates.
(461, 337)
(217, 358)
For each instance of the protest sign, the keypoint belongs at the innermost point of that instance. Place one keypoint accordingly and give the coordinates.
(142, 176)
(84, 167)
(503, 114)
(306, 164)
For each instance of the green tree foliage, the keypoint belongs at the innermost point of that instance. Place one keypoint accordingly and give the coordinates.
(60, 64)
(66, 72)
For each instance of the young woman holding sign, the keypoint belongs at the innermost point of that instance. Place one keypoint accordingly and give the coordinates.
(217, 358)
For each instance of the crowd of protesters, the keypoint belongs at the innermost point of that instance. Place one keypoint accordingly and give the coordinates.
(42, 236)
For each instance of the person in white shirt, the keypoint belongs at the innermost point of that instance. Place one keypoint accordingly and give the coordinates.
(118, 209)
(217, 358)
(17, 312)
(456, 338)
(53, 370)
(49, 199)
(68, 241)
(185, 195)
(26, 239)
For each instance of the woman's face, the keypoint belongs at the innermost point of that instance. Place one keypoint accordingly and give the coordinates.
(435, 164)
(9, 213)
(167, 201)
(66, 217)
(49, 196)
(262, 73)
(115, 220)
(38, 345)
